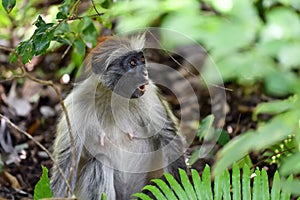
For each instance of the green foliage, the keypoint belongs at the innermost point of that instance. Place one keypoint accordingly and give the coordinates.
(39, 42)
(103, 197)
(8, 5)
(1, 164)
(60, 25)
(62, 32)
(280, 127)
(225, 186)
(277, 153)
(207, 132)
(42, 188)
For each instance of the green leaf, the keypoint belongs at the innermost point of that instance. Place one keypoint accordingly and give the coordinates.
(165, 188)
(226, 185)
(155, 191)
(281, 83)
(62, 28)
(195, 156)
(207, 183)
(39, 22)
(270, 48)
(277, 28)
(61, 15)
(25, 49)
(290, 186)
(277, 129)
(197, 184)
(106, 20)
(142, 196)
(187, 185)
(218, 187)
(222, 188)
(1, 164)
(236, 184)
(287, 187)
(246, 189)
(288, 55)
(257, 187)
(265, 185)
(8, 5)
(239, 66)
(79, 46)
(275, 192)
(224, 138)
(233, 151)
(64, 9)
(13, 57)
(293, 160)
(176, 186)
(89, 32)
(41, 43)
(275, 107)
(42, 188)
(205, 126)
(103, 196)
(246, 160)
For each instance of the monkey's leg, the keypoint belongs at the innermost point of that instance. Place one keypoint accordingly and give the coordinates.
(63, 158)
(172, 149)
(95, 179)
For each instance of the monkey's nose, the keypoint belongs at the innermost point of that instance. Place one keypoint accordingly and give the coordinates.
(145, 73)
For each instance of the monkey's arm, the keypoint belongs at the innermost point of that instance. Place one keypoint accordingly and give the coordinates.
(172, 149)
(63, 158)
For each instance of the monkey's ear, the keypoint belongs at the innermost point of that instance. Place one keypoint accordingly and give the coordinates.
(98, 64)
(99, 55)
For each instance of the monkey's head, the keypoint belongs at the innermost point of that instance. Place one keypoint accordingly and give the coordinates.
(120, 63)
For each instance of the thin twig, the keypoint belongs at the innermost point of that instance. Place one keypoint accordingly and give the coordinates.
(37, 143)
(7, 48)
(73, 18)
(12, 78)
(94, 6)
(66, 51)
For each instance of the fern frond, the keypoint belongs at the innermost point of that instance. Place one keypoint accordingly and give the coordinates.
(169, 194)
(236, 183)
(188, 187)
(197, 184)
(224, 186)
(142, 196)
(177, 187)
(155, 191)
(206, 182)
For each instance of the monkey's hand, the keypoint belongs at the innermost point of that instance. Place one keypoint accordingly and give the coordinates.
(130, 135)
(102, 135)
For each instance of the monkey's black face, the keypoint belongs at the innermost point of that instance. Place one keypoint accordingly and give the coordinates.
(128, 76)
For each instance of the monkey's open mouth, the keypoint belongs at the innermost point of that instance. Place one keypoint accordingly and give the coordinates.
(142, 88)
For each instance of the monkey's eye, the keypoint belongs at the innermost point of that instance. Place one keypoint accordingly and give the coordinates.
(132, 63)
(143, 60)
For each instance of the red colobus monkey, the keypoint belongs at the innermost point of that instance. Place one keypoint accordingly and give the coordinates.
(124, 133)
